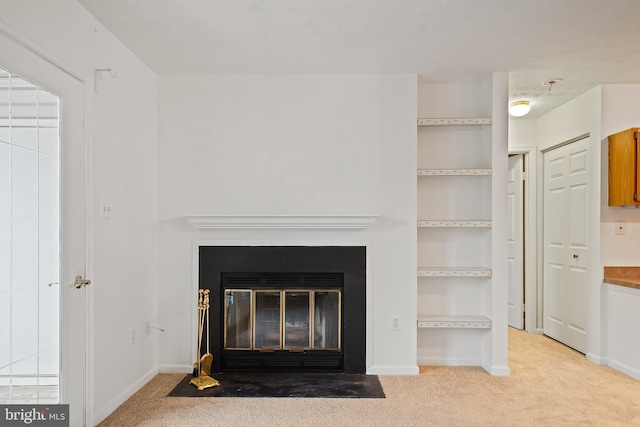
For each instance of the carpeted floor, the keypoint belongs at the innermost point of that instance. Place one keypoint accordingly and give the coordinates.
(550, 385)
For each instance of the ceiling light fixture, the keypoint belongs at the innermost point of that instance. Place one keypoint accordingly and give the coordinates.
(519, 108)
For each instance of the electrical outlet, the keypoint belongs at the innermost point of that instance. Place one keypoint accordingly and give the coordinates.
(132, 336)
(621, 227)
(105, 209)
(147, 329)
(395, 322)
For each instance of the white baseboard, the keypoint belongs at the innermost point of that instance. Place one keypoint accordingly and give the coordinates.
(498, 371)
(176, 369)
(450, 361)
(594, 358)
(101, 413)
(393, 370)
(624, 368)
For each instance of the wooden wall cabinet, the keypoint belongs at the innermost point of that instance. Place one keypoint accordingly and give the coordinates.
(624, 169)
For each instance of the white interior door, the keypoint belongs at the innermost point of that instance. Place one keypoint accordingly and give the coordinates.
(515, 241)
(566, 242)
(72, 213)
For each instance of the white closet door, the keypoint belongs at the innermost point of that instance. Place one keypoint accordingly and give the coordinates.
(566, 242)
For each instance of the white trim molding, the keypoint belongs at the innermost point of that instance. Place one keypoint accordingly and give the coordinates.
(353, 222)
(498, 370)
(394, 370)
(17, 35)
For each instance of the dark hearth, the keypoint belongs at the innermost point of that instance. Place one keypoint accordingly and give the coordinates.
(268, 384)
(287, 309)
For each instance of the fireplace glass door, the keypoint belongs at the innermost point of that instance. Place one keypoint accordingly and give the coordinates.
(277, 319)
(267, 325)
(297, 325)
(326, 320)
(238, 321)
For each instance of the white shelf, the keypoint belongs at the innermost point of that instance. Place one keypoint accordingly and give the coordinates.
(453, 321)
(454, 172)
(454, 272)
(470, 121)
(453, 224)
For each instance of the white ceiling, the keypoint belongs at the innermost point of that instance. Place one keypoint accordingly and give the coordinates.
(583, 42)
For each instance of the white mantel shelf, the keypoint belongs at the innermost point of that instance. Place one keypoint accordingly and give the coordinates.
(342, 222)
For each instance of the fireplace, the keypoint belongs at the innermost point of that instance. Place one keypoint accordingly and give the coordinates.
(286, 308)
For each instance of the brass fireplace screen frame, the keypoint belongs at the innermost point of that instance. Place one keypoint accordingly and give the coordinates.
(258, 319)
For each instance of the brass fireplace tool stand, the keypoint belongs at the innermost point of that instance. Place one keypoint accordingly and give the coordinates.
(203, 364)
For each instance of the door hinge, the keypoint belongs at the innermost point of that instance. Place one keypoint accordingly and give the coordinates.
(525, 176)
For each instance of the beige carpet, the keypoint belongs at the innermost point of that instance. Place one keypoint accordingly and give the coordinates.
(550, 385)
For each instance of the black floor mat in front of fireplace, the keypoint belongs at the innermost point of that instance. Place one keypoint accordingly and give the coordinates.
(261, 384)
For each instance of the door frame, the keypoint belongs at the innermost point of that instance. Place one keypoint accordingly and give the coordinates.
(515, 189)
(532, 280)
(33, 47)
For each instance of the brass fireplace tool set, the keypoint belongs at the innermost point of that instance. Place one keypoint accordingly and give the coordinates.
(202, 367)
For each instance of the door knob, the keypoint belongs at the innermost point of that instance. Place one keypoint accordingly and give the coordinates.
(575, 256)
(80, 282)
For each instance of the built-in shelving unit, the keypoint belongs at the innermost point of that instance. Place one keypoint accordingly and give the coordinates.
(455, 183)
(456, 223)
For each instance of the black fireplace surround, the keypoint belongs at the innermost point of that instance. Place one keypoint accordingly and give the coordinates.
(346, 268)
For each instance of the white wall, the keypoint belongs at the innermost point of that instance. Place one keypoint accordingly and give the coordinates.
(292, 144)
(619, 112)
(522, 133)
(576, 118)
(122, 136)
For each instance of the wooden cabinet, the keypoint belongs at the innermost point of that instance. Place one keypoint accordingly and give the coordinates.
(624, 170)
